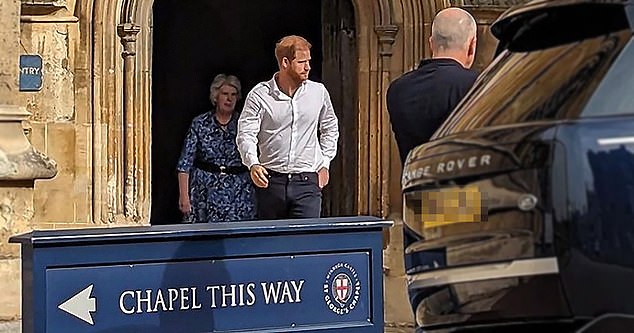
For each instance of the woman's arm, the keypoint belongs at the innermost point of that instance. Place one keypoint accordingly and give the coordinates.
(183, 198)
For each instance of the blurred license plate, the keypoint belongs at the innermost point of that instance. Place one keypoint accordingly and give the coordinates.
(455, 205)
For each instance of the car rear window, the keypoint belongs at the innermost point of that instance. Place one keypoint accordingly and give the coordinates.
(545, 84)
(615, 94)
(559, 24)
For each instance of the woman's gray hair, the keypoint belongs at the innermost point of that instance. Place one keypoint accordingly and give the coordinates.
(221, 80)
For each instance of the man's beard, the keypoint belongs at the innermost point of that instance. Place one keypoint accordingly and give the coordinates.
(298, 77)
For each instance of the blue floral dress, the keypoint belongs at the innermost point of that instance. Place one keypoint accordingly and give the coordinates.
(216, 197)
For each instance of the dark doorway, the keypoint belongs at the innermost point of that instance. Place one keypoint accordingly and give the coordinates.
(339, 74)
(194, 40)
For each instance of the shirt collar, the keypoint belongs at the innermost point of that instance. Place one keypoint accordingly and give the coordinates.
(274, 88)
(275, 91)
(440, 62)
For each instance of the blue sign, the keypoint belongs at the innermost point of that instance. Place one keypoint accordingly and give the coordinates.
(30, 73)
(309, 275)
(230, 295)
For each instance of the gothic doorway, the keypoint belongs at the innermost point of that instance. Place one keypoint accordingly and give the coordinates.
(194, 40)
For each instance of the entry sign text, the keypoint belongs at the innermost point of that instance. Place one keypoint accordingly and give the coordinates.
(30, 73)
(204, 296)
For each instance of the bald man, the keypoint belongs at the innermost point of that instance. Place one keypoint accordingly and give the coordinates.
(421, 100)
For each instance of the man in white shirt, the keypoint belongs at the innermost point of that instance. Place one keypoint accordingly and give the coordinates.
(281, 119)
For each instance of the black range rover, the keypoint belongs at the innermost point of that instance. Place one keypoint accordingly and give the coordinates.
(520, 210)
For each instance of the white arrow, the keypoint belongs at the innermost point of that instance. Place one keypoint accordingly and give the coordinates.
(81, 305)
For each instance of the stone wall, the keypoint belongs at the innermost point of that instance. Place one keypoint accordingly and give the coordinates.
(9, 36)
(16, 207)
(56, 128)
(45, 29)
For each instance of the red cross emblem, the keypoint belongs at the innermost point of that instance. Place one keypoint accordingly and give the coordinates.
(342, 287)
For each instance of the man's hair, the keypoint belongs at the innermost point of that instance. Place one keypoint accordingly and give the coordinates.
(287, 46)
(452, 28)
(221, 80)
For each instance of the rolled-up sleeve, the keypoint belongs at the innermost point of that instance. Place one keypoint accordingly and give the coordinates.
(329, 130)
(248, 129)
(186, 160)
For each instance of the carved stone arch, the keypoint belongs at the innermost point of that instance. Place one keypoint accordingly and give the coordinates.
(115, 188)
(121, 38)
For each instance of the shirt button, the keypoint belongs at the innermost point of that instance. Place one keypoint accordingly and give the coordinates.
(289, 176)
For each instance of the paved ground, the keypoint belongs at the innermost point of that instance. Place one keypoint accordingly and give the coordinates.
(14, 327)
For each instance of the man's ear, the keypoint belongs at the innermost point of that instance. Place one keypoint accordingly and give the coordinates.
(472, 46)
(285, 62)
(431, 44)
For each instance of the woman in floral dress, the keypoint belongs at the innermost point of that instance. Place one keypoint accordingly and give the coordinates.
(214, 185)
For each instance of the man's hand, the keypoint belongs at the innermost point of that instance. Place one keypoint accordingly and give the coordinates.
(259, 176)
(324, 177)
(184, 205)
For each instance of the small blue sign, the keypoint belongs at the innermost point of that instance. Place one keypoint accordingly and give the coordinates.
(229, 295)
(30, 73)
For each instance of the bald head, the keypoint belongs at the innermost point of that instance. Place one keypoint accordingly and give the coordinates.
(452, 29)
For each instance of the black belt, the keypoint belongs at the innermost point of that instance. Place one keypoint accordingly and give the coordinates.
(223, 169)
(299, 175)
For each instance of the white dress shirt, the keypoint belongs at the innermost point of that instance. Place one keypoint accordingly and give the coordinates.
(284, 129)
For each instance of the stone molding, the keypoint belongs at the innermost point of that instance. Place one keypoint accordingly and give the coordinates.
(387, 37)
(128, 33)
(45, 3)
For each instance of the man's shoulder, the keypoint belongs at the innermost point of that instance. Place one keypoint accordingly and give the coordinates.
(310, 84)
(260, 87)
(462, 78)
(401, 82)
(463, 72)
(259, 92)
(405, 77)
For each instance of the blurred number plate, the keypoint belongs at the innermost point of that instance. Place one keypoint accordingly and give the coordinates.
(455, 205)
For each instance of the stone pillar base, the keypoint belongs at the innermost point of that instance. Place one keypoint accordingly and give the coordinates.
(18, 159)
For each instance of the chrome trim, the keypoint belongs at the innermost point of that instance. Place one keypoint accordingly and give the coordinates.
(615, 141)
(596, 321)
(515, 268)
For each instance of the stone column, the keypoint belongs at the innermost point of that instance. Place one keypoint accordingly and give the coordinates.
(387, 37)
(397, 309)
(128, 34)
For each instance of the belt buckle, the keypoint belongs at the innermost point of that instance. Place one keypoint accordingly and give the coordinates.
(222, 170)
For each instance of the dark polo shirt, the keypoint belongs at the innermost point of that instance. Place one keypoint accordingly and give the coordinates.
(421, 100)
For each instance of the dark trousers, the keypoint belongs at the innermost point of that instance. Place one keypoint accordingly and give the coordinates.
(289, 196)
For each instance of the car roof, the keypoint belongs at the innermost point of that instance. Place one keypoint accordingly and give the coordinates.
(536, 5)
(517, 19)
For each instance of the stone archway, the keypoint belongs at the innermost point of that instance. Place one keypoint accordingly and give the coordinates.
(120, 70)
(189, 49)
